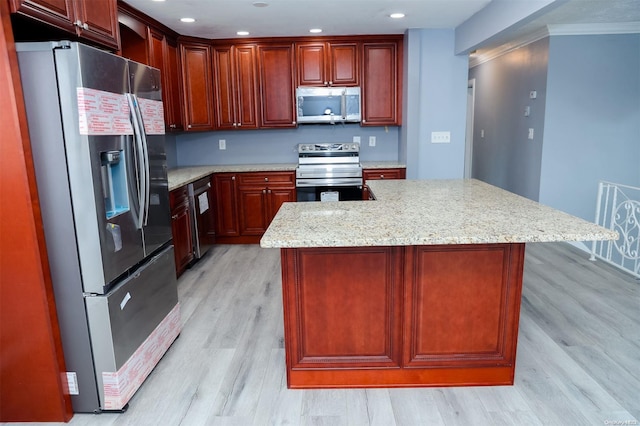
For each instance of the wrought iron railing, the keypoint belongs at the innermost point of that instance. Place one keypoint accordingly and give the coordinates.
(618, 209)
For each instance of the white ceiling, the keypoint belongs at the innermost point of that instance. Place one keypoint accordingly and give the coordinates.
(219, 19)
(222, 18)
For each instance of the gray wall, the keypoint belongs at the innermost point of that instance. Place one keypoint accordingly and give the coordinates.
(505, 157)
(586, 119)
(279, 146)
(434, 100)
(592, 124)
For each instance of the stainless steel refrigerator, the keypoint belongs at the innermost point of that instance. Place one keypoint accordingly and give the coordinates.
(97, 135)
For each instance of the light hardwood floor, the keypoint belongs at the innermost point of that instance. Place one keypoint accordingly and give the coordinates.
(578, 357)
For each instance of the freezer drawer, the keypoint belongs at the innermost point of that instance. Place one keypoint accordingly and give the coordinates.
(121, 320)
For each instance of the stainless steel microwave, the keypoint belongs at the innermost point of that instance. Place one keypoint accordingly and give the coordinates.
(328, 105)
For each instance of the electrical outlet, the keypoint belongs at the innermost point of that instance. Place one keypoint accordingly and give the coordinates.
(356, 139)
(372, 141)
(222, 143)
(440, 137)
(530, 136)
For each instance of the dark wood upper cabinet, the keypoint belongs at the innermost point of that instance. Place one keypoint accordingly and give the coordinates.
(382, 83)
(328, 63)
(146, 41)
(172, 79)
(197, 86)
(235, 86)
(95, 21)
(276, 74)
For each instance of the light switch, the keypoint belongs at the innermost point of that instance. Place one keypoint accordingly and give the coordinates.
(222, 143)
(372, 141)
(440, 137)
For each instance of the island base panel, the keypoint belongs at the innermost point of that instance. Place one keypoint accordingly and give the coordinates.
(401, 377)
(376, 316)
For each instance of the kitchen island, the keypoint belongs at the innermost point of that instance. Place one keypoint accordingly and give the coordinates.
(420, 287)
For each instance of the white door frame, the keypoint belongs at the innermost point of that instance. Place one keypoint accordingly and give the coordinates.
(468, 146)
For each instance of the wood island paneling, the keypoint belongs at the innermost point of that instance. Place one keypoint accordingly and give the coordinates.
(401, 316)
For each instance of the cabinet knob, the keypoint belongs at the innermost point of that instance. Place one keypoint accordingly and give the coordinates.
(326, 83)
(239, 124)
(189, 126)
(381, 176)
(233, 178)
(264, 191)
(266, 179)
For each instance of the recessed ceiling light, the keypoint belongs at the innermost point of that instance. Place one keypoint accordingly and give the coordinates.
(243, 33)
(260, 4)
(315, 30)
(189, 20)
(396, 15)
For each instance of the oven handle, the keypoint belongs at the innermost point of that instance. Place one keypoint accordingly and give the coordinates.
(306, 183)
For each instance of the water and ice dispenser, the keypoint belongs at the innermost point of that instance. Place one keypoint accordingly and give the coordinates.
(114, 183)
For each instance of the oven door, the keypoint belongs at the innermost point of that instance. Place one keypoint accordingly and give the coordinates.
(345, 191)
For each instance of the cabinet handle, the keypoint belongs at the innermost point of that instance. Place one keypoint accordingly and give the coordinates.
(175, 216)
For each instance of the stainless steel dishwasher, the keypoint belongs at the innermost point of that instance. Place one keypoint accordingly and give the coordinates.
(203, 216)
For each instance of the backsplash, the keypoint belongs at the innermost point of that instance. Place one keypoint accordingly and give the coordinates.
(276, 146)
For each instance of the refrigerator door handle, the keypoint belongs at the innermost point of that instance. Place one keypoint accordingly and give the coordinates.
(142, 165)
(145, 153)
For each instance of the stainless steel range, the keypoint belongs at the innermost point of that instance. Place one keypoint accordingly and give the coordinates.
(329, 172)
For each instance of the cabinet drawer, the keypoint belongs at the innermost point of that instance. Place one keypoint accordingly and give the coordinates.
(267, 179)
(373, 174)
(178, 196)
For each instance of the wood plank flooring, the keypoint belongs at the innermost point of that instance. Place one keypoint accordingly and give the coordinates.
(578, 355)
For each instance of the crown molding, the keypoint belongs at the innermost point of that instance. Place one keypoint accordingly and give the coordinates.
(555, 30)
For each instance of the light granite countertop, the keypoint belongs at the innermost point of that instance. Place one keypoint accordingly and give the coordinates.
(184, 175)
(426, 212)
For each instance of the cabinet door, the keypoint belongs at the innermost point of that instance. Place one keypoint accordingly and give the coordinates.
(224, 89)
(93, 20)
(311, 64)
(98, 21)
(381, 84)
(164, 56)
(181, 229)
(245, 74)
(344, 64)
(196, 85)
(277, 196)
(59, 13)
(253, 210)
(235, 87)
(172, 86)
(276, 66)
(226, 205)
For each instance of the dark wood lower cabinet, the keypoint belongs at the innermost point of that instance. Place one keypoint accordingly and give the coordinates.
(401, 316)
